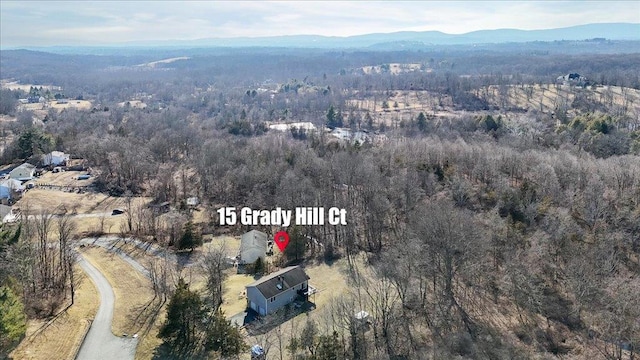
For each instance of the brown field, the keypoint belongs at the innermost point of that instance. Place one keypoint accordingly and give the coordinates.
(134, 104)
(14, 85)
(71, 104)
(37, 200)
(64, 334)
(41, 108)
(543, 98)
(64, 178)
(136, 310)
(546, 98)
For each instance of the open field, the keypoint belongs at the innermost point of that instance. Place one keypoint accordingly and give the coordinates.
(134, 104)
(14, 85)
(546, 98)
(63, 335)
(136, 310)
(164, 61)
(37, 200)
(64, 178)
(54, 104)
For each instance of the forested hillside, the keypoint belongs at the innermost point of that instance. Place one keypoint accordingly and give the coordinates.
(493, 210)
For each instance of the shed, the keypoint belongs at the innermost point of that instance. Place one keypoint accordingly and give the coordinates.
(278, 289)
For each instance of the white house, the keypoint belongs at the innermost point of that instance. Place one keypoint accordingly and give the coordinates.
(278, 289)
(306, 126)
(9, 187)
(253, 245)
(23, 172)
(347, 135)
(55, 158)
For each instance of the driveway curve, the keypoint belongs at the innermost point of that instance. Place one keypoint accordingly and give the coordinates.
(100, 343)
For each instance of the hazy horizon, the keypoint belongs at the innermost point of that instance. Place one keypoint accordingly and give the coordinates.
(112, 22)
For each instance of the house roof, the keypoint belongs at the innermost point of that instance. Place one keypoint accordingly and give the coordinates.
(253, 239)
(25, 166)
(288, 277)
(12, 184)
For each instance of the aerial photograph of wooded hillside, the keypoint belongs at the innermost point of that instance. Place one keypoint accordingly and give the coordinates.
(319, 180)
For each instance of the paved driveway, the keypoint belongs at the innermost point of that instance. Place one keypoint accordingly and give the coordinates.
(100, 343)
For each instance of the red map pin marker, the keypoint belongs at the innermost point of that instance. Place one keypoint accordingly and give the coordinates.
(282, 240)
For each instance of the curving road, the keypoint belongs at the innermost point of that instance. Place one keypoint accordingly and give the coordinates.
(100, 343)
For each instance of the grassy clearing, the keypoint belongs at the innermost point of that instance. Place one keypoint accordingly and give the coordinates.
(63, 335)
(234, 298)
(64, 178)
(37, 200)
(93, 208)
(14, 85)
(133, 104)
(111, 225)
(136, 311)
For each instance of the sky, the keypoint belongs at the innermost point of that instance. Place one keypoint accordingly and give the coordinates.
(49, 23)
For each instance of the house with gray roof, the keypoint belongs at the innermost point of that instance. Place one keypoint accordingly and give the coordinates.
(23, 172)
(277, 289)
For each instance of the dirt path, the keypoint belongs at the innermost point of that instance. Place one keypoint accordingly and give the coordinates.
(100, 343)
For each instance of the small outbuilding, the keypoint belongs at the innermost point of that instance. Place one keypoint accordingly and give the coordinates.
(253, 245)
(278, 289)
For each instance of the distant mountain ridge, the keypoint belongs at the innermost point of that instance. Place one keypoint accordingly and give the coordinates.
(610, 31)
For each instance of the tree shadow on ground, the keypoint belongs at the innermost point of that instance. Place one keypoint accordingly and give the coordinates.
(143, 317)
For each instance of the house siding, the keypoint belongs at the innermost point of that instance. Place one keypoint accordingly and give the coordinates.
(55, 159)
(282, 299)
(279, 301)
(21, 174)
(256, 301)
(5, 192)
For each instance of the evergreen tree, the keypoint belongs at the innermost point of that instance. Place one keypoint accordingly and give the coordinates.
(332, 118)
(184, 315)
(328, 347)
(191, 237)
(13, 322)
(296, 249)
(33, 141)
(223, 337)
(422, 122)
